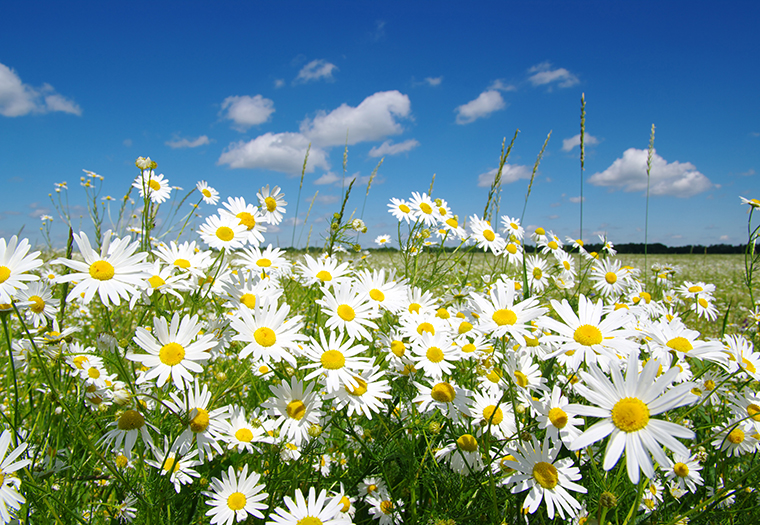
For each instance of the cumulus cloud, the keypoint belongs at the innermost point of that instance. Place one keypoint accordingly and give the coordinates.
(373, 119)
(543, 74)
(188, 143)
(283, 152)
(572, 142)
(327, 177)
(278, 83)
(486, 103)
(629, 173)
(316, 70)
(577, 199)
(434, 81)
(389, 148)
(325, 199)
(501, 86)
(247, 111)
(510, 173)
(18, 99)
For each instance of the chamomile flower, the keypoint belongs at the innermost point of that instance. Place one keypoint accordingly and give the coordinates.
(463, 455)
(484, 235)
(295, 409)
(385, 509)
(172, 353)
(325, 270)
(736, 438)
(42, 307)
(337, 359)
(234, 497)
(114, 273)
(684, 470)
(15, 262)
(401, 210)
(492, 413)
(10, 499)
(178, 467)
(424, 208)
(609, 278)
(223, 232)
(248, 216)
(152, 186)
(129, 426)
(269, 262)
(348, 311)
(367, 396)
(270, 336)
(625, 407)
(382, 289)
(272, 204)
(242, 434)
(209, 194)
(499, 315)
(538, 273)
(512, 227)
(447, 397)
(549, 480)
(312, 510)
(556, 416)
(185, 257)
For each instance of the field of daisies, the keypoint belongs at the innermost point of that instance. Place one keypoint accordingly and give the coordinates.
(180, 369)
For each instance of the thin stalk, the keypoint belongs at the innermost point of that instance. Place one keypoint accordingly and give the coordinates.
(646, 213)
(298, 200)
(497, 178)
(533, 175)
(583, 158)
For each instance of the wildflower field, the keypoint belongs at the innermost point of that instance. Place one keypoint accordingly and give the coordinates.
(170, 369)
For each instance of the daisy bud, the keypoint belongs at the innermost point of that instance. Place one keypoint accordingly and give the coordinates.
(608, 500)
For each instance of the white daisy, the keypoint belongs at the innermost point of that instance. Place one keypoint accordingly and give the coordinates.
(249, 216)
(336, 359)
(179, 467)
(295, 408)
(348, 311)
(223, 232)
(156, 187)
(15, 262)
(234, 497)
(366, 397)
(317, 509)
(209, 194)
(270, 336)
(272, 204)
(10, 498)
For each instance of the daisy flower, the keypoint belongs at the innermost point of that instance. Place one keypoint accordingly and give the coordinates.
(295, 408)
(323, 270)
(382, 289)
(348, 311)
(249, 216)
(313, 510)
(548, 480)
(234, 497)
(246, 290)
(423, 208)
(267, 331)
(556, 416)
(15, 261)
(171, 350)
(272, 204)
(484, 236)
(609, 278)
(463, 455)
(270, 261)
(420, 302)
(513, 251)
(338, 360)
(684, 471)
(42, 307)
(625, 407)
(114, 273)
(161, 280)
(129, 425)
(179, 468)
(204, 426)
(383, 240)
(498, 315)
(10, 499)
(366, 397)
(223, 232)
(737, 438)
(156, 187)
(401, 210)
(385, 509)
(185, 257)
(538, 277)
(512, 227)
(448, 398)
(210, 195)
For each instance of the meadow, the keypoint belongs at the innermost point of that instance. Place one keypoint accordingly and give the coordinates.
(178, 368)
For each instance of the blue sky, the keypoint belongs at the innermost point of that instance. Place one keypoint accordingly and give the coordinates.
(232, 92)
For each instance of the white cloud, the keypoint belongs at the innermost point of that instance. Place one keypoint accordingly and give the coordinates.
(486, 103)
(389, 148)
(188, 143)
(247, 111)
(282, 152)
(510, 173)
(544, 74)
(501, 86)
(327, 177)
(18, 99)
(325, 199)
(127, 142)
(588, 140)
(434, 81)
(629, 173)
(373, 119)
(316, 70)
(279, 82)
(577, 199)
(724, 238)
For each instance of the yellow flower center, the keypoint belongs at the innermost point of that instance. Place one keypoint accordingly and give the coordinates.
(464, 327)
(426, 327)
(101, 270)
(332, 360)
(630, 414)
(558, 417)
(171, 465)
(296, 409)
(468, 348)
(494, 376)
(414, 307)
(442, 313)
(537, 273)
(398, 348)
(225, 233)
(376, 295)
(610, 277)
(271, 204)
(703, 302)
(346, 504)
(265, 336)
(121, 461)
(154, 185)
(244, 434)
(249, 300)
(206, 193)
(182, 263)
(156, 281)
(521, 379)
(131, 420)
(681, 470)
(324, 276)
(263, 263)
(452, 222)
(93, 373)
(201, 420)
(493, 415)
(236, 501)
(753, 411)
(346, 313)
(709, 384)
(587, 335)
(540, 231)
(426, 208)
(404, 208)
(489, 235)
(736, 436)
(386, 506)
(695, 289)
(553, 245)
(679, 344)
(5, 272)
(359, 390)
(503, 317)
(246, 219)
(467, 442)
(38, 305)
(434, 354)
(443, 393)
(545, 475)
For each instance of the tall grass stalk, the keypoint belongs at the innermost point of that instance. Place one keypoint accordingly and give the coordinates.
(298, 200)
(496, 184)
(308, 213)
(646, 212)
(583, 159)
(432, 181)
(533, 175)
